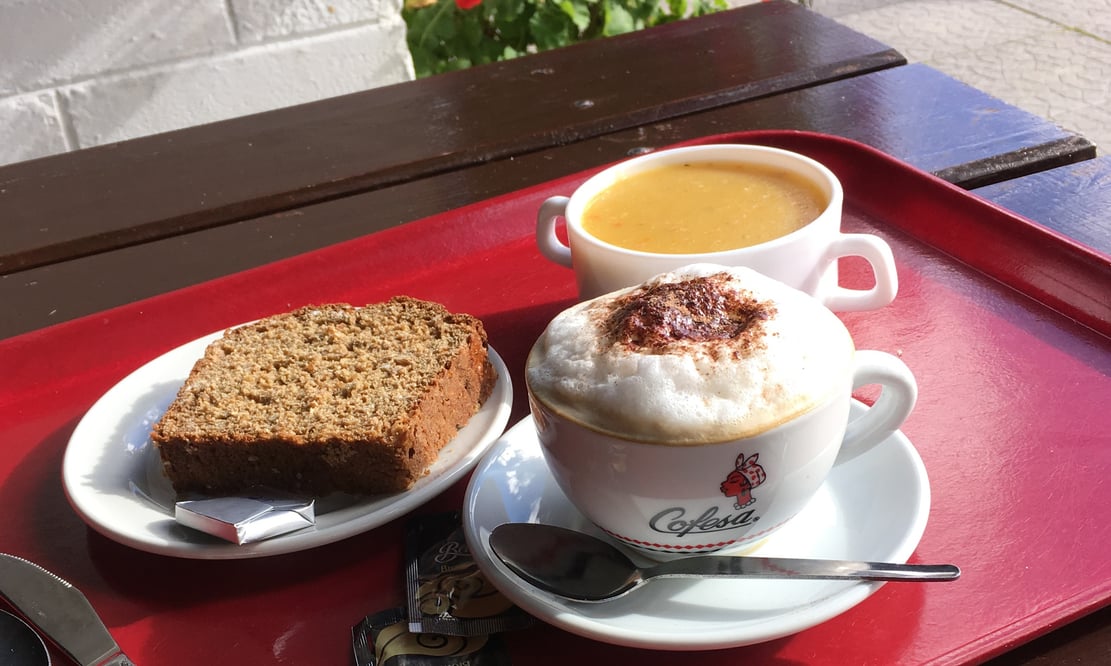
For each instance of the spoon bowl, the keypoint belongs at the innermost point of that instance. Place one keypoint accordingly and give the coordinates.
(580, 567)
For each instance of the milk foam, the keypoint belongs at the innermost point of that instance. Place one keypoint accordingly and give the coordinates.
(693, 393)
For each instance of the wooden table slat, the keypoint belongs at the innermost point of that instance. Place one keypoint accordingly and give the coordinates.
(1079, 206)
(1018, 163)
(950, 139)
(61, 207)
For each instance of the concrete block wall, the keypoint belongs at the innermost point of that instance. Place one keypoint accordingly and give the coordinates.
(81, 73)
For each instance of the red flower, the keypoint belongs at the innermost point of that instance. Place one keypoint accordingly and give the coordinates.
(467, 4)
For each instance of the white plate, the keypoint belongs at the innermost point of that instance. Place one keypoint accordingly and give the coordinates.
(873, 507)
(112, 472)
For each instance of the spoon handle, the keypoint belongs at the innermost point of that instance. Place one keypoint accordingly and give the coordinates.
(783, 567)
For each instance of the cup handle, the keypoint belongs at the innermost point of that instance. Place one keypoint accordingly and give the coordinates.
(550, 247)
(891, 409)
(877, 253)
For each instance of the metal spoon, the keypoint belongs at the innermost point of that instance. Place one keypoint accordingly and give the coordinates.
(583, 568)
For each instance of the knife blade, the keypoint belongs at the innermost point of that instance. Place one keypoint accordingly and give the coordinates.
(60, 611)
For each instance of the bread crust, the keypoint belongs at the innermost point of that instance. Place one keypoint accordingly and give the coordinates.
(327, 398)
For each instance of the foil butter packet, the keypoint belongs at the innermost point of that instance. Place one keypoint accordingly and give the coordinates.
(384, 639)
(242, 520)
(446, 591)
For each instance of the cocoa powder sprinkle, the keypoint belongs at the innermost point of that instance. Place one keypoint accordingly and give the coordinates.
(667, 316)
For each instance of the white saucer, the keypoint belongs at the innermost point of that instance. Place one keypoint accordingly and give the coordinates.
(873, 507)
(112, 473)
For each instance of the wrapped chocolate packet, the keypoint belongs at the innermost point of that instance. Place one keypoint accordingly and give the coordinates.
(247, 519)
(383, 639)
(447, 593)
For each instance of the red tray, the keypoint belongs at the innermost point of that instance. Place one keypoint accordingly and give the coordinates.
(1005, 324)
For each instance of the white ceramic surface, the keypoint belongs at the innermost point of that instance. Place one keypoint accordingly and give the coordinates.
(668, 501)
(805, 259)
(873, 507)
(112, 472)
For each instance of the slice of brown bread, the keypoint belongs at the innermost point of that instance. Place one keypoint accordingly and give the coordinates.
(326, 398)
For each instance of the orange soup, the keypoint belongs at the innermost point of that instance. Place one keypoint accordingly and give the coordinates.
(701, 207)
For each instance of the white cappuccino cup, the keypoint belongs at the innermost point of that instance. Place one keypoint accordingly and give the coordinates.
(705, 408)
(806, 259)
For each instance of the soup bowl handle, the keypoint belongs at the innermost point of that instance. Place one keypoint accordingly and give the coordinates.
(550, 246)
(877, 253)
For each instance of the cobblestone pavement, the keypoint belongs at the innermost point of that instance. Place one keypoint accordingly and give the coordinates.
(1049, 57)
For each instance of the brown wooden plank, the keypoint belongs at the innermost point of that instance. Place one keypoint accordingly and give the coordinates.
(898, 117)
(1074, 200)
(71, 205)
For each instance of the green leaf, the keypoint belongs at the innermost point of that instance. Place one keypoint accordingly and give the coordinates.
(551, 28)
(578, 13)
(442, 37)
(618, 19)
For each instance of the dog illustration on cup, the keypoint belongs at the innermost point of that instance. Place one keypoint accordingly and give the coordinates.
(746, 475)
